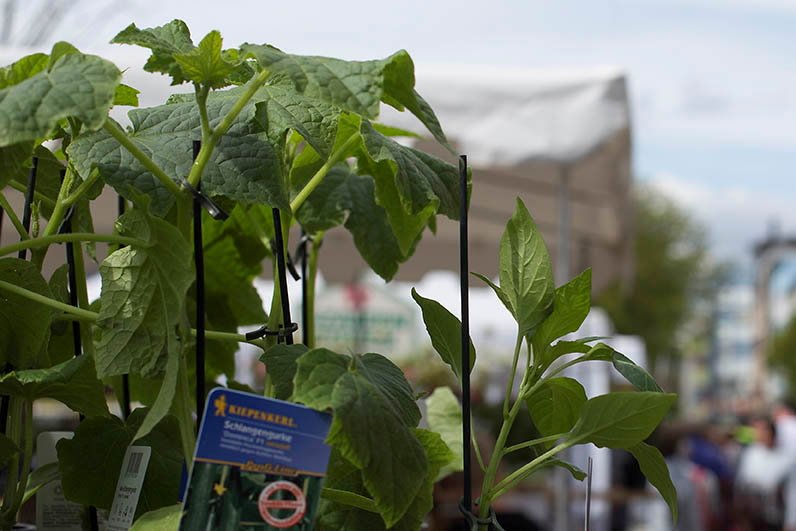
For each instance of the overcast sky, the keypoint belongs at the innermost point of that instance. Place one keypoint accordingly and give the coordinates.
(713, 85)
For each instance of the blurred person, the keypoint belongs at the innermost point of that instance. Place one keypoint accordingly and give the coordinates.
(760, 480)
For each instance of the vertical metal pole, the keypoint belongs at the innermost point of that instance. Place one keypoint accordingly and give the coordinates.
(464, 280)
(305, 333)
(4, 402)
(281, 270)
(78, 345)
(587, 524)
(121, 206)
(198, 253)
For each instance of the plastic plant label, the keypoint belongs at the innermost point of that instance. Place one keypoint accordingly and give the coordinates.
(128, 489)
(259, 465)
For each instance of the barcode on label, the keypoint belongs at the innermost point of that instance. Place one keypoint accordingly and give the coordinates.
(134, 463)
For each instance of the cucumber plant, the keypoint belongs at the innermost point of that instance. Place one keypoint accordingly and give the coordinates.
(277, 130)
(558, 406)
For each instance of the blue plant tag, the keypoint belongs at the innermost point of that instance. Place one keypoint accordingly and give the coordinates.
(259, 464)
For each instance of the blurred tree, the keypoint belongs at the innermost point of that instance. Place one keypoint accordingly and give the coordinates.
(781, 352)
(667, 300)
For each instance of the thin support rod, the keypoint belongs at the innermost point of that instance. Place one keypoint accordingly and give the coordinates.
(198, 253)
(28, 200)
(281, 269)
(464, 278)
(121, 206)
(305, 332)
(587, 524)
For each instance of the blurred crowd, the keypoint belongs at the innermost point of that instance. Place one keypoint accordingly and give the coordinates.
(737, 475)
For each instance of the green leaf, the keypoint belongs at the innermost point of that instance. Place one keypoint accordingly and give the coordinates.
(374, 413)
(499, 292)
(73, 382)
(143, 291)
(126, 95)
(620, 420)
(97, 450)
(343, 197)
(24, 324)
(25, 68)
(8, 449)
(345, 497)
(389, 130)
(445, 330)
(15, 161)
(563, 348)
(637, 376)
(165, 399)
(204, 64)
(80, 86)
(653, 466)
(570, 307)
(526, 277)
(280, 364)
(60, 49)
(356, 86)
(163, 519)
(444, 416)
(165, 42)
(39, 478)
(576, 472)
(555, 406)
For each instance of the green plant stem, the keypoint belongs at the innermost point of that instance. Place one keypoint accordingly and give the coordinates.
(312, 277)
(82, 188)
(37, 196)
(13, 217)
(77, 237)
(78, 313)
(14, 429)
(568, 365)
(116, 132)
(201, 101)
(521, 473)
(228, 336)
(28, 455)
(526, 444)
(476, 447)
(209, 145)
(339, 154)
(60, 209)
(517, 347)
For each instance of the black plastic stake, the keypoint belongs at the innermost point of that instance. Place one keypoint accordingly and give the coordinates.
(587, 524)
(121, 205)
(66, 228)
(199, 259)
(464, 279)
(4, 403)
(305, 333)
(281, 270)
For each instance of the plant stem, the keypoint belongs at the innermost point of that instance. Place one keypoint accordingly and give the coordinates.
(312, 277)
(521, 473)
(9, 510)
(116, 132)
(476, 447)
(79, 313)
(517, 347)
(334, 158)
(43, 241)
(526, 444)
(60, 209)
(201, 101)
(228, 336)
(13, 217)
(23, 479)
(568, 365)
(209, 145)
(37, 196)
(81, 189)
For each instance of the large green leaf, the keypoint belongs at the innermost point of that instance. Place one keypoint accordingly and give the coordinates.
(204, 64)
(526, 277)
(142, 297)
(374, 413)
(165, 42)
(570, 307)
(445, 330)
(80, 86)
(637, 376)
(620, 420)
(281, 364)
(343, 197)
(163, 519)
(24, 324)
(555, 405)
(444, 416)
(164, 402)
(653, 466)
(97, 450)
(356, 86)
(72, 382)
